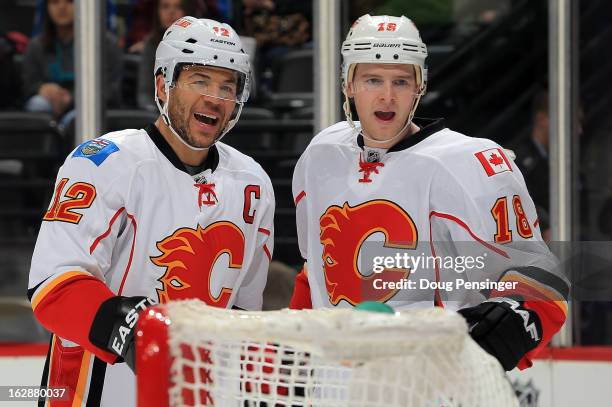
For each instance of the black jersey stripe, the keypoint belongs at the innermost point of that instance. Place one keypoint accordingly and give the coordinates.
(96, 383)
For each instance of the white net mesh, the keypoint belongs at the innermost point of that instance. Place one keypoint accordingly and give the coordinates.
(328, 358)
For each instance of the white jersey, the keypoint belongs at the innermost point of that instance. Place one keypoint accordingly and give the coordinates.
(394, 226)
(126, 213)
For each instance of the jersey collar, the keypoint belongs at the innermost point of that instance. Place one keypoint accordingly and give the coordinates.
(212, 160)
(427, 128)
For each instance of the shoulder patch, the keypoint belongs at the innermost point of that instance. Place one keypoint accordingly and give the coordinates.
(97, 150)
(494, 161)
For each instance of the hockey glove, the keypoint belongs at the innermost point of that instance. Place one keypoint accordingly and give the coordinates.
(504, 328)
(113, 326)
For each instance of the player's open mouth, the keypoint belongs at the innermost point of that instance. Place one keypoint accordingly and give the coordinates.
(206, 118)
(384, 116)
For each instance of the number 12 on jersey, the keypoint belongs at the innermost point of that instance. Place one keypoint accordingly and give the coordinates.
(80, 195)
(500, 214)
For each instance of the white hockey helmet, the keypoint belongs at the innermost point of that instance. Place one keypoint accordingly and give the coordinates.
(383, 40)
(206, 42)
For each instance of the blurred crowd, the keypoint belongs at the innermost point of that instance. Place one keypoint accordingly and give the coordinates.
(37, 67)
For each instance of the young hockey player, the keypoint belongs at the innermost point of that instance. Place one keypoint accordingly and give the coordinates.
(390, 187)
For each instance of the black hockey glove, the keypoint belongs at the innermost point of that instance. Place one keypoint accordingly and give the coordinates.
(113, 326)
(504, 328)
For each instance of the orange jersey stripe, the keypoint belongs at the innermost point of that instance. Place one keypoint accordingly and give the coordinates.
(51, 358)
(49, 287)
(535, 291)
(83, 380)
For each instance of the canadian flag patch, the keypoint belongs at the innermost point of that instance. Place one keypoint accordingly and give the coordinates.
(494, 161)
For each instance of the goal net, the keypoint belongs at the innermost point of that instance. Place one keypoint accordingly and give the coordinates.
(190, 354)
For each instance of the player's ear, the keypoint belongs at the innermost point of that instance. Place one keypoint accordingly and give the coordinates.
(160, 88)
(349, 89)
(349, 86)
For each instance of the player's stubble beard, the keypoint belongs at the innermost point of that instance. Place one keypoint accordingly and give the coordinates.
(180, 116)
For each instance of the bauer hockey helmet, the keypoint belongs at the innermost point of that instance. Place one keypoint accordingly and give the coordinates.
(383, 40)
(205, 42)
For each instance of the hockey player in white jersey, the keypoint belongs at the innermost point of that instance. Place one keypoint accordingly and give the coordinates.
(389, 185)
(153, 215)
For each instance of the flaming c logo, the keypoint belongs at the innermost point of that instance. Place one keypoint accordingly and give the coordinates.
(189, 256)
(343, 231)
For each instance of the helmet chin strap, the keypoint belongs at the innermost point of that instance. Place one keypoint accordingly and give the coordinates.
(166, 118)
(379, 142)
(349, 118)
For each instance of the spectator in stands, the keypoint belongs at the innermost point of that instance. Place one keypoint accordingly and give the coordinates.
(138, 23)
(168, 11)
(10, 82)
(532, 159)
(534, 150)
(48, 68)
(278, 26)
(142, 18)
